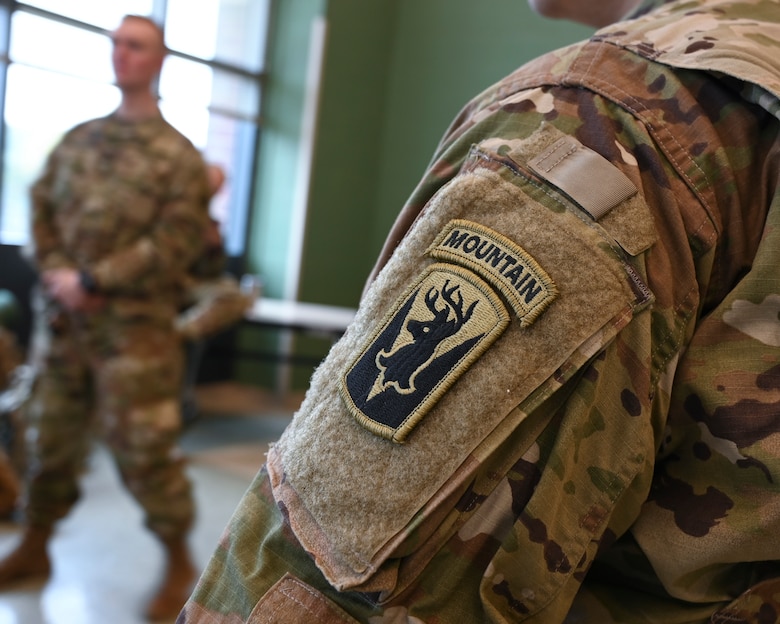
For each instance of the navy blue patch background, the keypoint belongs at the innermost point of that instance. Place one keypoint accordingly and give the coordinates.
(390, 408)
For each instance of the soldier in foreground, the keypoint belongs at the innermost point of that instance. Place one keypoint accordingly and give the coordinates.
(118, 217)
(559, 399)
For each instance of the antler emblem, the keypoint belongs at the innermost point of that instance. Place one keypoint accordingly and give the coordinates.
(438, 327)
(400, 366)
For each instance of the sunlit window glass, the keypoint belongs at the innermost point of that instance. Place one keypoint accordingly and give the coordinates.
(231, 31)
(192, 122)
(186, 82)
(77, 52)
(231, 144)
(102, 13)
(58, 74)
(196, 84)
(231, 92)
(39, 107)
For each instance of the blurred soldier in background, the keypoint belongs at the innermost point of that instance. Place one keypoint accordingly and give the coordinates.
(118, 217)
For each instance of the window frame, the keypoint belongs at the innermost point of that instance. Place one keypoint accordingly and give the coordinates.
(237, 226)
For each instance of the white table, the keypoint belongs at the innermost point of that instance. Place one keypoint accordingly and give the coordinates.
(311, 318)
(293, 317)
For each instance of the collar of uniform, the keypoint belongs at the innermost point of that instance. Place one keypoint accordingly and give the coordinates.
(726, 37)
(124, 129)
(646, 6)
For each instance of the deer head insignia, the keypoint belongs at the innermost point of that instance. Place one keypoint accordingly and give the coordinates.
(400, 366)
(436, 330)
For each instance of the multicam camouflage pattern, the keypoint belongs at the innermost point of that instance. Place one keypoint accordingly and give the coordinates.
(213, 298)
(10, 357)
(639, 481)
(213, 305)
(128, 202)
(10, 363)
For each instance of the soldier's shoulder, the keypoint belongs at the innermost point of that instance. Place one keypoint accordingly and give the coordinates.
(84, 129)
(170, 140)
(169, 133)
(548, 67)
(736, 38)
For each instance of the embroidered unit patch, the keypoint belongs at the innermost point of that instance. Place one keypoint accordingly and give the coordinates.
(436, 330)
(503, 263)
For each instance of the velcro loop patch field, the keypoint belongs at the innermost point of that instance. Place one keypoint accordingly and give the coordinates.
(354, 498)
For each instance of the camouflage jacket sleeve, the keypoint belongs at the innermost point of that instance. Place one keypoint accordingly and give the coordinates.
(46, 249)
(10, 357)
(555, 399)
(213, 305)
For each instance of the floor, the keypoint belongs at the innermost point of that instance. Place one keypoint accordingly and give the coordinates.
(105, 562)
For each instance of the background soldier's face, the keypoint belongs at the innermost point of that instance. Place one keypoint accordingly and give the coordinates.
(137, 54)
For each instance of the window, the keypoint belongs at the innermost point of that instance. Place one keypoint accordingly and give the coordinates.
(57, 72)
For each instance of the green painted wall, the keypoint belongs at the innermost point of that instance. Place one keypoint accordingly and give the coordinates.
(283, 104)
(445, 53)
(271, 213)
(395, 73)
(348, 151)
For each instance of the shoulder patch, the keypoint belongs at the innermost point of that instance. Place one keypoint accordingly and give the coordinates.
(502, 262)
(437, 329)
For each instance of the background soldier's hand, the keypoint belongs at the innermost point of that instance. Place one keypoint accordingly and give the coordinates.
(65, 286)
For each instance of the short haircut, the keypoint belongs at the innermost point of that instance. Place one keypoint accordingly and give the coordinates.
(148, 20)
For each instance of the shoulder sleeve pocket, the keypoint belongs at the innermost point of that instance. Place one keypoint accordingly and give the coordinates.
(501, 292)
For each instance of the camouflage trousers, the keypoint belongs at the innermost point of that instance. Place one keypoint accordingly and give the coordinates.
(119, 379)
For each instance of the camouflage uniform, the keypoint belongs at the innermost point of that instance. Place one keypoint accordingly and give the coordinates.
(213, 302)
(214, 299)
(127, 202)
(559, 398)
(10, 357)
(10, 363)
(216, 304)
